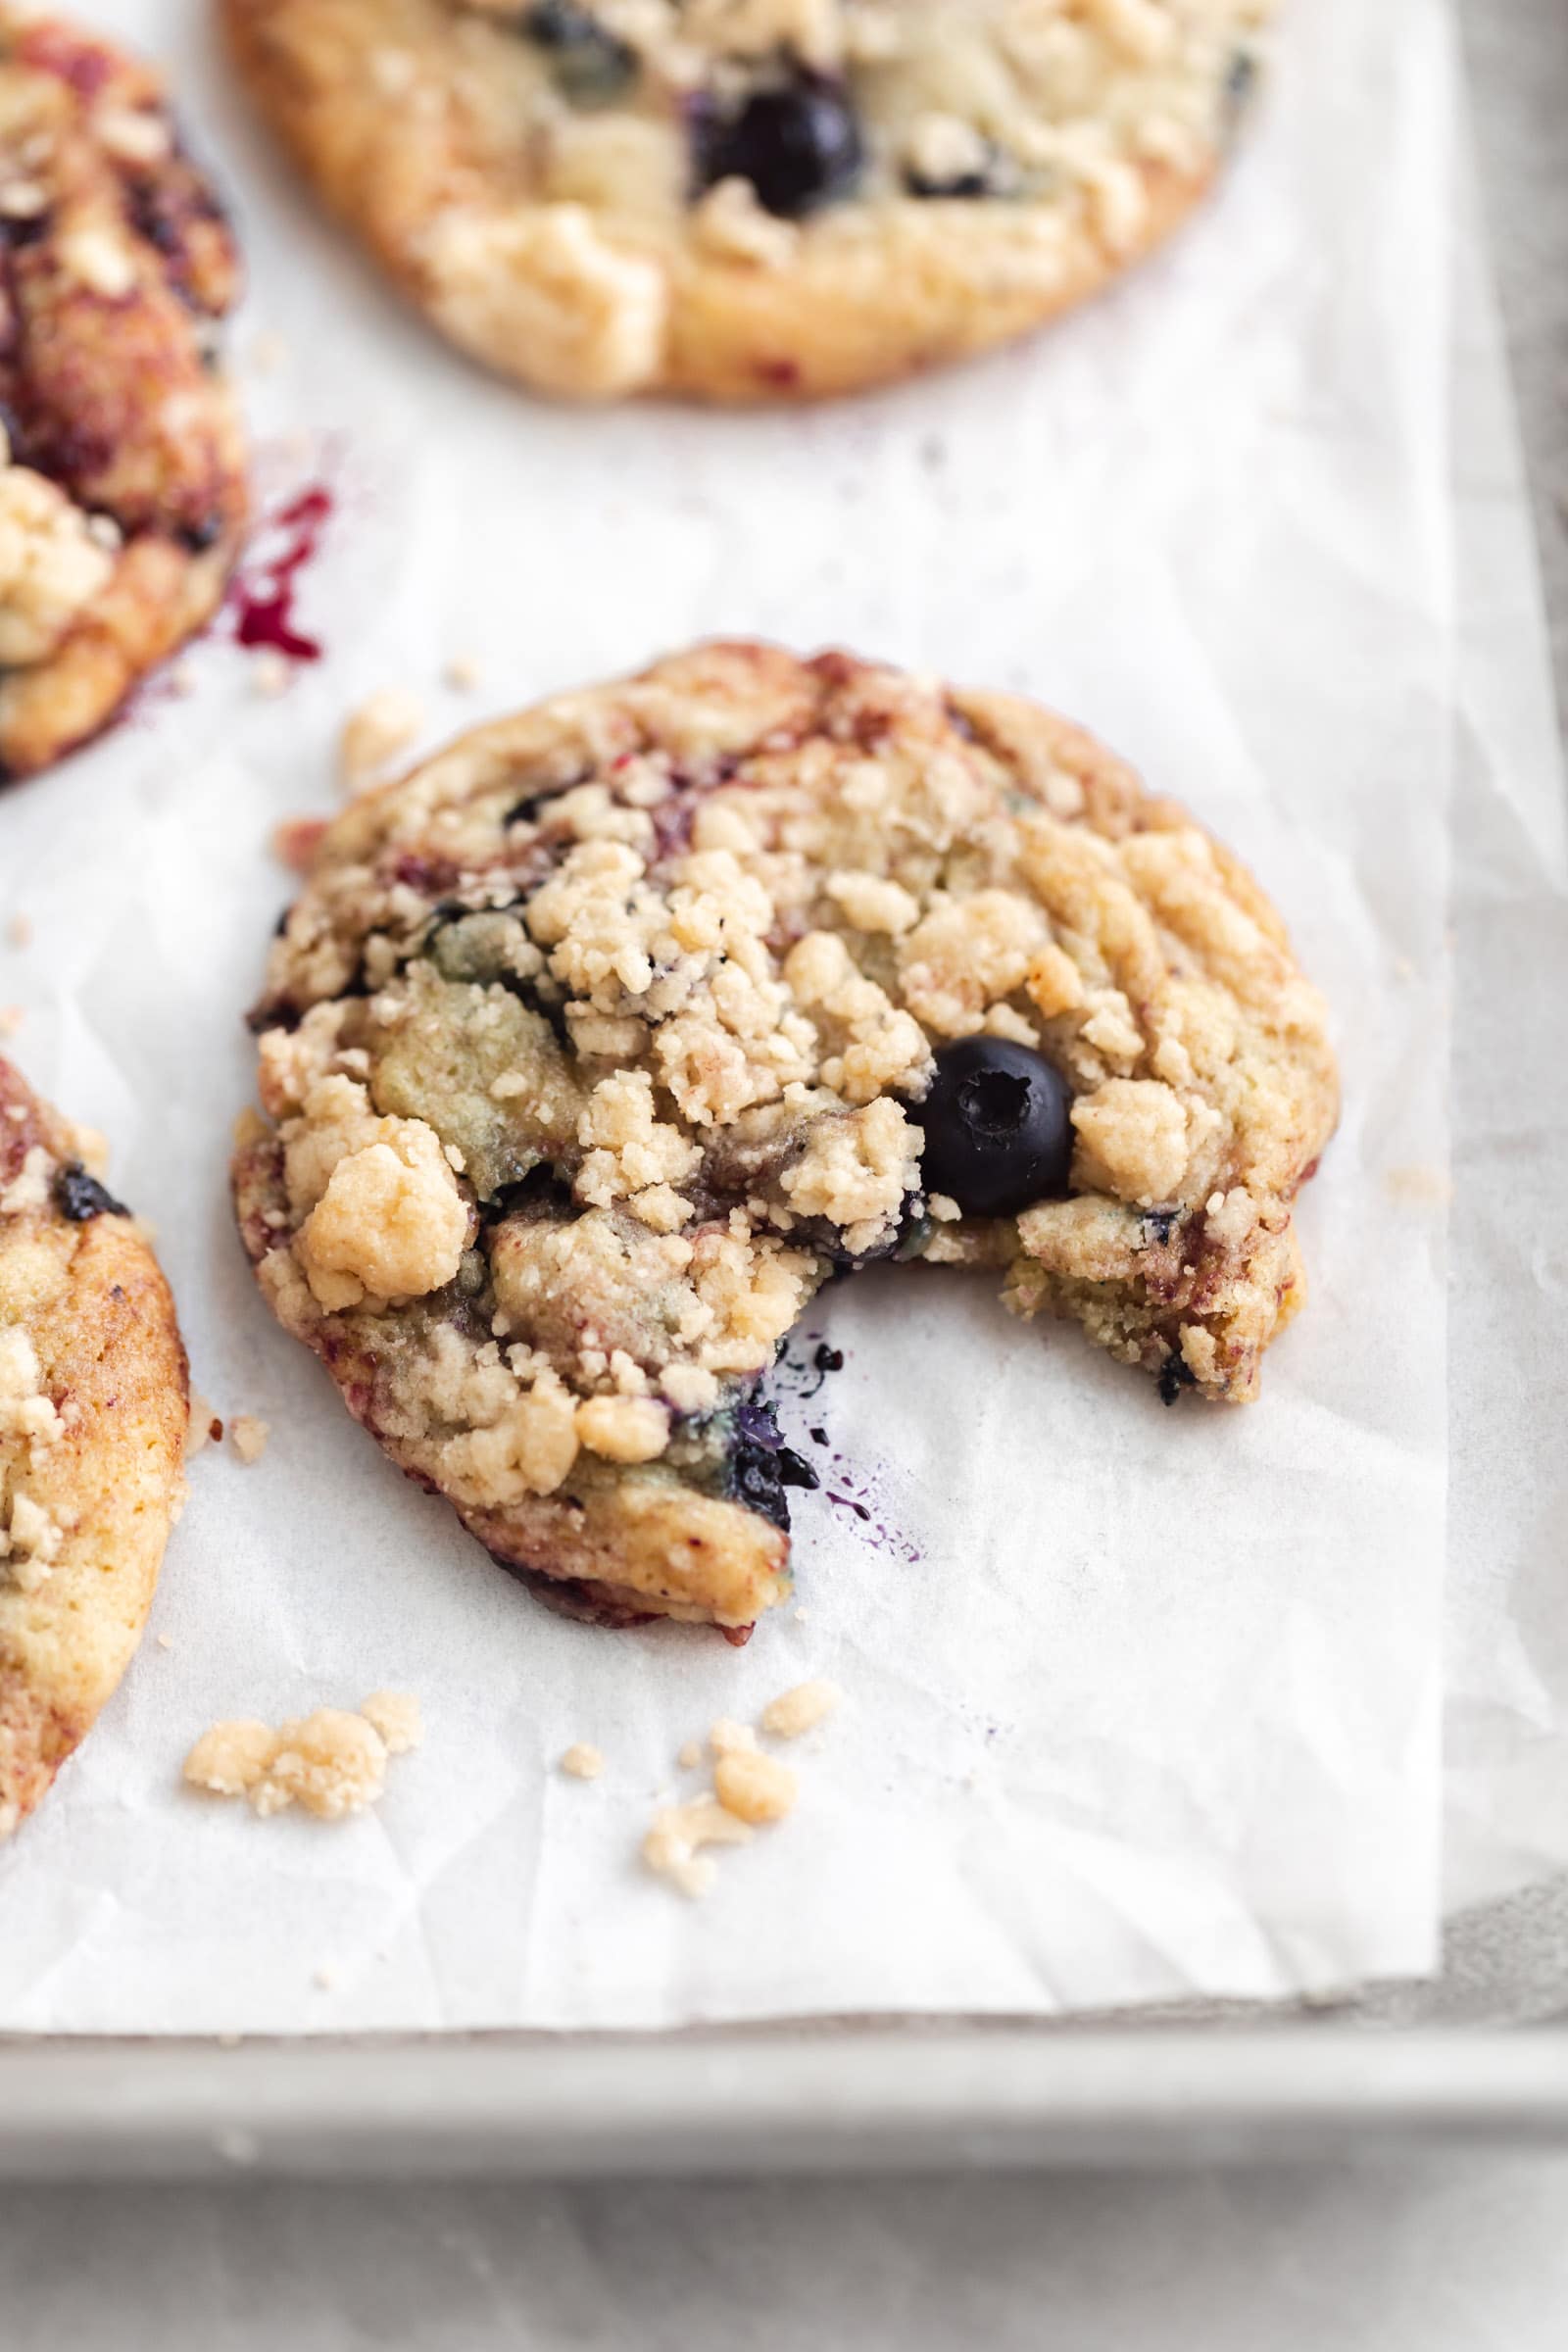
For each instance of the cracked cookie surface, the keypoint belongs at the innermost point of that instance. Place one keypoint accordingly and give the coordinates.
(94, 1412)
(122, 464)
(750, 199)
(596, 1045)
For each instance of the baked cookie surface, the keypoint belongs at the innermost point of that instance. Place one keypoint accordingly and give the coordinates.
(595, 1046)
(750, 199)
(122, 464)
(94, 1409)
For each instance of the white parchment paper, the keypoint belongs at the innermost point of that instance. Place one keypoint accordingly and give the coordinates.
(1139, 1704)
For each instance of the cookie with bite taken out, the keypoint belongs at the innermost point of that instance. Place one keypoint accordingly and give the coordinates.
(595, 1046)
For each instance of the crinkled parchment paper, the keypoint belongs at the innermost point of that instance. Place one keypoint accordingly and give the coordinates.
(1138, 1703)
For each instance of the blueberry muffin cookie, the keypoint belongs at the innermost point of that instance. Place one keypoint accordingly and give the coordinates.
(93, 1409)
(595, 1046)
(750, 199)
(121, 470)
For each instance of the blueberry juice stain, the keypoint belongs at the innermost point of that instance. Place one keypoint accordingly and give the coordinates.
(262, 597)
(799, 1378)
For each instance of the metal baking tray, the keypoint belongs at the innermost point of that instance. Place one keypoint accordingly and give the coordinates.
(1480, 2054)
(1475, 2057)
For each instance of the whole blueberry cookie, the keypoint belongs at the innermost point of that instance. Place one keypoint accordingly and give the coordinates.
(121, 465)
(93, 1409)
(751, 199)
(595, 1046)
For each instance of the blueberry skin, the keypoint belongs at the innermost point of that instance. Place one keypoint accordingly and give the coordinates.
(998, 1134)
(760, 1466)
(591, 66)
(82, 1198)
(800, 147)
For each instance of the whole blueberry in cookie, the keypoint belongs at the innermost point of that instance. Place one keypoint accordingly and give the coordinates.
(596, 1047)
(799, 146)
(998, 1134)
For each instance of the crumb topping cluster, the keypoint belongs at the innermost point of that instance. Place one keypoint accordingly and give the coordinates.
(332, 1763)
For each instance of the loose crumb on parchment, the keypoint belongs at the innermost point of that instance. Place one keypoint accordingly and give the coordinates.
(750, 1790)
(383, 724)
(333, 1762)
(582, 1761)
(249, 1434)
(206, 1427)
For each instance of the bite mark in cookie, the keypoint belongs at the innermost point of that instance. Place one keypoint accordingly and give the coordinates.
(598, 1043)
(122, 468)
(750, 199)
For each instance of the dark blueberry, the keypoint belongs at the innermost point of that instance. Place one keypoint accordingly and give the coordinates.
(23, 230)
(198, 537)
(818, 1437)
(1241, 81)
(998, 1134)
(82, 1198)
(800, 146)
(591, 66)
(828, 1359)
(760, 1466)
(1158, 1223)
(1175, 1374)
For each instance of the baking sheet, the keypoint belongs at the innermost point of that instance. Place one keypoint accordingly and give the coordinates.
(1144, 1706)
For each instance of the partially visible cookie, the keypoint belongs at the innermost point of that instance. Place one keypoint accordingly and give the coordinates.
(121, 461)
(750, 199)
(93, 1409)
(598, 1043)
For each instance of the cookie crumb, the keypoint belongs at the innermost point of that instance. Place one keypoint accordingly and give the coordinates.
(270, 673)
(333, 1762)
(396, 1716)
(689, 1755)
(384, 725)
(754, 1787)
(670, 1848)
(166, 1640)
(727, 1738)
(12, 1017)
(180, 680)
(461, 672)
(800, 1709)
(248, 1435)
(582, 1761)
(19, 931)
(206, 1428)
(1419, 1186)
